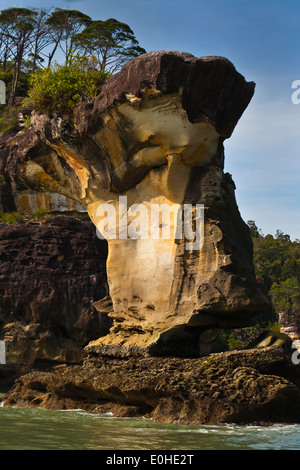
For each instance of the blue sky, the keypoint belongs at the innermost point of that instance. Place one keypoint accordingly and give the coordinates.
(261, 38)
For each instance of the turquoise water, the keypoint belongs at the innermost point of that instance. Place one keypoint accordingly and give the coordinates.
(39, 429)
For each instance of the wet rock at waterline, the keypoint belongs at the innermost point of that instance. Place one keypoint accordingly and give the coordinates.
(259, 385)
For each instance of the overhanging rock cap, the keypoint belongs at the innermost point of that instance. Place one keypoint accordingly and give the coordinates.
(211, 88)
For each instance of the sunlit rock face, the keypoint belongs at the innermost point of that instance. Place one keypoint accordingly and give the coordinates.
(145, 159)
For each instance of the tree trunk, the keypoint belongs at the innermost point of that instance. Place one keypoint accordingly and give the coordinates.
(13, 87)
(5, 59)
(54, 50)
(15, 77)
(35, 54)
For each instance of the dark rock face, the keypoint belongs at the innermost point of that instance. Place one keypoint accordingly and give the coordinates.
(51, 273)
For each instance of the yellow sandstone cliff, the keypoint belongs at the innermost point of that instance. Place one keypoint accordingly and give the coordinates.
(145, 154)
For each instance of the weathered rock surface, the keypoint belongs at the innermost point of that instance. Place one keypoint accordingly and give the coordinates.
(248, 386)
(155, 135)
(15, 195)
(51, 273)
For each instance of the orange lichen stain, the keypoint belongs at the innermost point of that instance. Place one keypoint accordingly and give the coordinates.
(47, 182)
(35, 175)
(47, 201)
(151, 92)
(23, 203)
(40, 200)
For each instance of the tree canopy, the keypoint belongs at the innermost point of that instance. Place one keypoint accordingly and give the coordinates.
(63, 25)
(112, 42)
(277, 265)
(17, 28)
(30, 39)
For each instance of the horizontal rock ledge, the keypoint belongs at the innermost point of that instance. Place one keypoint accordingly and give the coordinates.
(259, 385)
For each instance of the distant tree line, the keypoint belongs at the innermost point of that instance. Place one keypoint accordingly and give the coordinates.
(277, 265)
(31, 38)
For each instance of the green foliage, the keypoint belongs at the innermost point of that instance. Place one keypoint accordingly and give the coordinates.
(255, 232)
(16, 217)
(62, 87)
(11, 217)
(8, 120)
(233, 342)
(15, 17)
(39, 213)
(286, 296)
(276, 259)
(23, 82)
(30, 38)
(241, 337)
(27, 122)
(277, 264)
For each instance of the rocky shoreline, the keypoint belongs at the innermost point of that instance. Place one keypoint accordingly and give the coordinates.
(126, 325)
(259, 385)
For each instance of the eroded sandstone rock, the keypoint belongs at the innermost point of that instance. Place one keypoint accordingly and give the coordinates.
(155, 135)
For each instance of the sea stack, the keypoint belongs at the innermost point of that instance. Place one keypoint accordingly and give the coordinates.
(153, 140)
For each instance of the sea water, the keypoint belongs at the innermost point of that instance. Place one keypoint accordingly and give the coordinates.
(40, 429)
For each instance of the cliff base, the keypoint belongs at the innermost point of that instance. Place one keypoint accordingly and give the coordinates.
(259, 385)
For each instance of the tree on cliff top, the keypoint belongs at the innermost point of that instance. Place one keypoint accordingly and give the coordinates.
(64, 25)
(41, 39)
(106, 46)
(17, 29)
(28, 36)
(112, 42)
(62, 87)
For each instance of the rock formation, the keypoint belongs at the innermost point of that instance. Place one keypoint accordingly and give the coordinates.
(257, 386)
(53, 267)
(153, 138)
